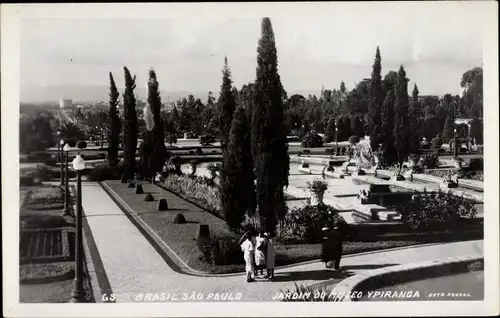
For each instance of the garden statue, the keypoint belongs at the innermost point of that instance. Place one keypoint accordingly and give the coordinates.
(364, 156)
(458, 163)
(448, 182)
(363, 196)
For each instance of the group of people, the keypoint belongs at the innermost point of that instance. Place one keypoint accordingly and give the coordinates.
(259, 254)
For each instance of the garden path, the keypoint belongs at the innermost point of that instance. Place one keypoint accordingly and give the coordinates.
(133, 267)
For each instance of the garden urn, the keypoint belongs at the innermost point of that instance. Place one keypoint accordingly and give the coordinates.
(317, 197)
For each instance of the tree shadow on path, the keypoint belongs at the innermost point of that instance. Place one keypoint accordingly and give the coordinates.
(325, 274)
(317, 275)
(365, 266)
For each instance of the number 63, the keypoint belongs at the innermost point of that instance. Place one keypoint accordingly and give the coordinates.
(108, 297)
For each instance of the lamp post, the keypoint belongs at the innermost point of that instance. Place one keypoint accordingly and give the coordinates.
(58, 146)
(78, 292)
(336, 141)
(455, 152)
(66, 149)
(468, 138)
(60, 154)
(102, 138)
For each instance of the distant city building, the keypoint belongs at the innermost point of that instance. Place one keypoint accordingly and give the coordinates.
(66, 103)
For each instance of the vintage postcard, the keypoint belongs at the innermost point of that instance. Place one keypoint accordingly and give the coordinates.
(250, 159)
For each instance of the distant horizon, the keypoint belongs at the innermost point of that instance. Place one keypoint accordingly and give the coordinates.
(333, 42)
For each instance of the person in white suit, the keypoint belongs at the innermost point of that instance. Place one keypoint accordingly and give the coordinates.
(248, 253)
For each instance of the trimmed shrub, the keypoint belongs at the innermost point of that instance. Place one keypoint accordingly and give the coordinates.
(220, 251)
(26, 181)
(353, 140)
(207, 139)
(139, 189)
(476, 164)
(304, 224)
(81, 144)
(43, 172)
(102, 173)
(149, 197)
(162, 205)
(179, 219)
(203, 231)
(436, 210)
(430, 160)
(51, 161)
(38, 156)
(312, 140)
(436, 142)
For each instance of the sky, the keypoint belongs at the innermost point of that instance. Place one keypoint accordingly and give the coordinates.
(316, 47)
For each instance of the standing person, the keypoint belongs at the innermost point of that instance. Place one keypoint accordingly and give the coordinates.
(326, 247)
(323, 172)
(337, 237)
(260, 256)
(270, 256)
(248, 253)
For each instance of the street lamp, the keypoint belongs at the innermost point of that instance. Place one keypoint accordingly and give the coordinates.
(78, 292)
(455, 152)
(102, 137)
(336, 141)
(60, 154)
(66, 149)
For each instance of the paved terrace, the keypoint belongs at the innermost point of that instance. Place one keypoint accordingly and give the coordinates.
(131, 265)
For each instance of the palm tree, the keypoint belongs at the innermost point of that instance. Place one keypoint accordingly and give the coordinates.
(71, 133)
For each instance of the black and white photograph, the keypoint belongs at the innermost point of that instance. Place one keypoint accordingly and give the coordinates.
(253, 158)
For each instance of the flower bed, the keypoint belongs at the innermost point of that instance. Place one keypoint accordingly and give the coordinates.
(44, 198)
(199, 190)
(46, 272)
(465, 174)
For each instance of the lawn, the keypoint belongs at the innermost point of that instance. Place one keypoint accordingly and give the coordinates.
(46, 248)
(180, 237)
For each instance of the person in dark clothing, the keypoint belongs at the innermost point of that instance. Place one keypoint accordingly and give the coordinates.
(336, 242)
(331, 251)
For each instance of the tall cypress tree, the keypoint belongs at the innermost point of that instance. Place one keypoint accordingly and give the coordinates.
(330, 129)
(114, 125)
(376, 101)
(357, 127)
(238, 190)
(401, 128)
(389, 155)
(226, 104)
(159, 151)
(269, 144)
(130, 127)
(226, 107)
(415, 122)
(153, 149)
